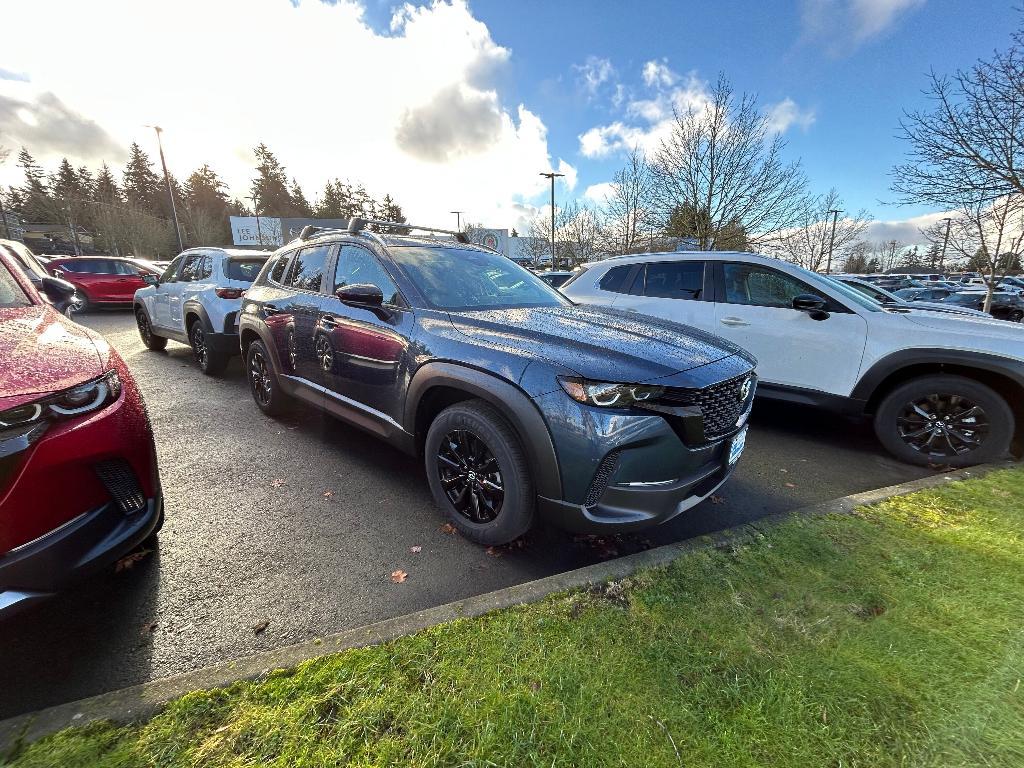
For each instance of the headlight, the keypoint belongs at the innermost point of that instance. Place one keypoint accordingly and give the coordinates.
(74, 401)
(606, 394)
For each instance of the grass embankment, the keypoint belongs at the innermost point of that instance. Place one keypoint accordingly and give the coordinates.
(890, 637)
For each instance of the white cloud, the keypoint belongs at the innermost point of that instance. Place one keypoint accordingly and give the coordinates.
(414, 112)
(569, 174)
(843, 25)
(649, 120)
(598, 193)
(907, 231)
(786, 113)
(593, 73)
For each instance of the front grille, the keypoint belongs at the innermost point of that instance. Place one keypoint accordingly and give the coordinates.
(720, 404)
(122, 485)
(604, 473)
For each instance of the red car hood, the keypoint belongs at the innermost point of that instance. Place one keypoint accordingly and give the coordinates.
(43, 351)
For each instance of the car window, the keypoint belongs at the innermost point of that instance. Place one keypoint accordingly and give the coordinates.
(308, 268)
(277, 271)
(357, 265)
(126, 268)
(191, 269)
(759, 286)
(243, 269)
(168, 274)
(615, 279)
(11, 293)
(674, 280)
(25, 259)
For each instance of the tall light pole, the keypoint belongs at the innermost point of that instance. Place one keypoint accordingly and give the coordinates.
(832, 240)
(552, 175)
(945, 242)
(256, 210)
(458, 220)
(170, 192)
(3, 218)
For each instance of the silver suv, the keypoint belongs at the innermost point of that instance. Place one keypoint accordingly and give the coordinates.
(196, 301)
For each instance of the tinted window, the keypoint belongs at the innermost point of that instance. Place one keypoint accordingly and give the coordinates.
(675, 280)
(243, 269)
(84, 266)
(11, 294)
(308, 268)
(615, 279)
(171, 269)
(191, 269)
(277, 271)
(761, 286)
(358, 266)
(126, 268)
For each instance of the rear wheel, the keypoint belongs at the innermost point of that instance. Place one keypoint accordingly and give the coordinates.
(478, 473)
(1017, 315)
(211, 360)
(150, 339)
(945, 420)
(79, 303)
(263, 381)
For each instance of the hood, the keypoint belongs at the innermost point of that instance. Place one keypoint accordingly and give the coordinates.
(42, 352)
(979, 328)
(595, 342)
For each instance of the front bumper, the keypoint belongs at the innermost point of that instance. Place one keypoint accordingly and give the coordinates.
(82, 546)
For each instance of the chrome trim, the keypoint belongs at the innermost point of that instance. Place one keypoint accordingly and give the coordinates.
(647, 484)
(379, 415)
(37, 539)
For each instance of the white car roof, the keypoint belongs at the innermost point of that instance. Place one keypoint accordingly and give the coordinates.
(635, 258)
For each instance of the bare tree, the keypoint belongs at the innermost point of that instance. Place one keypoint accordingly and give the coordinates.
(628, 213)
(991, 236)
(580, 232)
(723, 161)
(808, 244)
(857, 260)
(887, 252)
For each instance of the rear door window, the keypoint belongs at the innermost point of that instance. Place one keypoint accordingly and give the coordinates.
(308, 268)
(191, 269)
(615, 279)
(674, 280)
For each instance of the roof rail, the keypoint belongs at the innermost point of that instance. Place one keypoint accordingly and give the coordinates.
(312, 230)
(357, 224)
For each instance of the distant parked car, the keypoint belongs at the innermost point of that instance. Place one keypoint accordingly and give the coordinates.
(1005, 306)
(892, 301)
(100, 280)
(196, 301)
(78, 476)
(555, 278)
(31, 265)
(923, 294)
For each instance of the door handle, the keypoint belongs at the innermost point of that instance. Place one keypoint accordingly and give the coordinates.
(733, 322)
(271, 309)
(328, 321)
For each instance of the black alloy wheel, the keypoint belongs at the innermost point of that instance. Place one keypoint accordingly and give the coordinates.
(470, 476)
(199, 348)
(943, 425)
(259, 378)
(324, 353)
(149, 339)
(1016, 316)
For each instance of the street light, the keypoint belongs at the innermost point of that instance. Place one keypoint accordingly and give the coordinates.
(256, 210)
(945, 242)
(458, 220)
(832, 240)
(167, 179)
(552, 175)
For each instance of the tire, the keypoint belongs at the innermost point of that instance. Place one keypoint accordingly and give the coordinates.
(263, 383)
(1016, 316)
(470, 445)
(79, 303)
(934, 420)
(211, 361)
(149, 339)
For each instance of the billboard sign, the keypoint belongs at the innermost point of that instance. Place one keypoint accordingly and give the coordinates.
(259, 231)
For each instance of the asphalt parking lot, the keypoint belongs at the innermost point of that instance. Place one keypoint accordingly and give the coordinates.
(282, 531)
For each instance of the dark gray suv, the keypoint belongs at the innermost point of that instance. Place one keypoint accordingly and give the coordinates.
(519, 401)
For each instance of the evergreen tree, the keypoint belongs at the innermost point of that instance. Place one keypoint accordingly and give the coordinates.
(140, 185)
(206, 207)
(34, 203)
(106, 189)
(300, 205)
(390, 210)
(270, 186)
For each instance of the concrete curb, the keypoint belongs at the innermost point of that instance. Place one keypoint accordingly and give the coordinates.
(140, 702)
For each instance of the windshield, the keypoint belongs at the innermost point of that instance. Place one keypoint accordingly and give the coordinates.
(25, 258)
(11, 294)
(460, 279)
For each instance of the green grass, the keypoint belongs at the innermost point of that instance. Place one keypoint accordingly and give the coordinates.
(894, 636)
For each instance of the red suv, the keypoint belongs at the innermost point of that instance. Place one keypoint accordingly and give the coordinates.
(79, 486)
(100, 279)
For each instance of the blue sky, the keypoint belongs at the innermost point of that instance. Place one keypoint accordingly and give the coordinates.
(459, 104)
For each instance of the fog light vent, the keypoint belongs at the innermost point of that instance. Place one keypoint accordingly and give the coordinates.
(604, 473)
(122, 485)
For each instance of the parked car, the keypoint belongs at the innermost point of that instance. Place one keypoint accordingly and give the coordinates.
(1005, 306)
(29, 263)
(517, 401)
(99, 280)
(554, 278)
(923, 294)
(78, 477)
(892, 301)
(196, 301)
(942, 389)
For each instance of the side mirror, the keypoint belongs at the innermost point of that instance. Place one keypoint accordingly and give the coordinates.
(58, 291)
(812, 305)
(362, 295)
(149, 279)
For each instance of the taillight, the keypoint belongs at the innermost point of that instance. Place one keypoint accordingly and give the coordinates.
(230, 293)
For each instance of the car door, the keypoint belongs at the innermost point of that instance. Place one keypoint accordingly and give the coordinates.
(91, 277)
(159, 305)
(673, 290)
(754, 309)
(128, 280)
(363, 352)
(191, 270)
(298, 312)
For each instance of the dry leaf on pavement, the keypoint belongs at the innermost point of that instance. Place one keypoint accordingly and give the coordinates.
(328, 494)
(127, 562)
(277, 483)
(717, 499)
(258, 628)
(448, 528)
(399, 576)
(790, 485)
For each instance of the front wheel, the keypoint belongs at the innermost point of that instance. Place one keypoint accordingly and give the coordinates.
(1016, 316)
(149, 339)
(945, 420)
(79, 303)
(478, 473)
(263, 381)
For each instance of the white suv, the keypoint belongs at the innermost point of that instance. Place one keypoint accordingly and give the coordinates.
(196, 301)
(942, 389)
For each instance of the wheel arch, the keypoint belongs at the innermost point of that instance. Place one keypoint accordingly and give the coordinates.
(192, 311)
(435, 386)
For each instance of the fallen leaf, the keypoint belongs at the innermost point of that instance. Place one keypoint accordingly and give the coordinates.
(448, 528)
(128, 562)
(717, 499)
(258, 628)
(416, 550)
(790, 485)
(277, 483)
(493, 552)
(399, 576)
(783, 470)
(328, 494)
